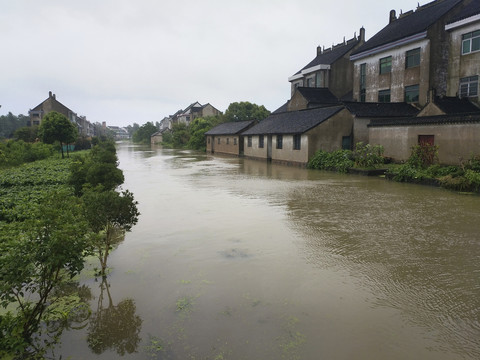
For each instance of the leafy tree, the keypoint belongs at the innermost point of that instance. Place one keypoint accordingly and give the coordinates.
(9, 123)
(35, 257)
(180, 135)
(241, 111)
(27, 133)
(56, 127)
(144, 132)
(198, 128)
(109, 214)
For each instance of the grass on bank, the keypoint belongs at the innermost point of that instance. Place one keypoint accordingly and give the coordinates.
(422, 166)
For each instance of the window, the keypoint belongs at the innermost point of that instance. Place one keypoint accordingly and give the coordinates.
(471, 42)
(311, 82)
(235, 141)
(260, 141)
(386, 65)
(279, 141)
(346, 143)
(218, 141)
(412, 58)
(411, 94)
(208, 139)
(363, 82)
(249, 141)
(320, 79)
(297, 142)
(384, 96)
(228, 141)
(469, 86)
(426, 140)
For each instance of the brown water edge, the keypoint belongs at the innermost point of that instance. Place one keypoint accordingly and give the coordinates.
(239, 259)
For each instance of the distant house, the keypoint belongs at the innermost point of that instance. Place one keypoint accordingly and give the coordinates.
(293, 137)
(194, 111)
(227, 138)
(120, 133)
(50, 104)
(157, 137)
(331, 68)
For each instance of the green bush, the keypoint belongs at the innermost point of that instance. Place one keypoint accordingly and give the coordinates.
(423, 156)
(14, 153)
(368, 156)
(340, 160)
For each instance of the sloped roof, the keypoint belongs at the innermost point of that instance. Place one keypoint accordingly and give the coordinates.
(427, 120)
(230, 128)
(317, 95)
(470, 9)
(375, 110)
(293, 122)
(455, 105)
(282, 108)
(330, 56)
(408, 24)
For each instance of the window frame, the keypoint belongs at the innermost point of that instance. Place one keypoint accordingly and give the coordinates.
(385, 65)
(472, 38)
(279, 141)
(297, 141)
(363, 82)
(261, 141)
(382, 94)
(412, 89)
(414, 56)
(249, 141)
(470, 84)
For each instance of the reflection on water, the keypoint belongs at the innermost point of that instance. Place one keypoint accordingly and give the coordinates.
(240, 259)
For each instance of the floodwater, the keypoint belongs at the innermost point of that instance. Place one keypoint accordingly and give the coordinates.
(240, 259)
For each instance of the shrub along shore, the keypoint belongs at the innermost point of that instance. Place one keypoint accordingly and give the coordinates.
(421, 167)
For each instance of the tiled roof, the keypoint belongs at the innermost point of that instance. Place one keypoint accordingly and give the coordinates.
(470, 9)
(454, 105)
(409, 24)
(282, 108)
(293, 122)
(318, 95)
(427, 120)
(230, 128)
(375, 110)
(330, 56)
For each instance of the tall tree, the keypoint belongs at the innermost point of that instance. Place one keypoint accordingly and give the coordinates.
(241, 111)
(144, 132)
(56, 127)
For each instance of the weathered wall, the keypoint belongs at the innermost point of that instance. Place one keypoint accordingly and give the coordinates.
(156, 139)
(360, 130)
(456, 142)
(255, 151)
(328, 135)
(297, 102)
(223, 144)
(461, 66)
(287, 154)
(398, 78)
(341, 77)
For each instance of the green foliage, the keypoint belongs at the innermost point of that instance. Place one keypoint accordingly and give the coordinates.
(13, 153)
(198, 128)
(36, 255)
(98, 167)
(180, 135)
(27, 133)
(340, 160)
(56, 127)
(368, 156)
(423, 156)
(10, 123)
(241, 111)
(144, 132)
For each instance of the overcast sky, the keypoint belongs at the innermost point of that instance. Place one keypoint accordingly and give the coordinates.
(126, 61)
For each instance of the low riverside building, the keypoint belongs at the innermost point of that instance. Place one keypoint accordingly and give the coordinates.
(293, 137)
(227, 138)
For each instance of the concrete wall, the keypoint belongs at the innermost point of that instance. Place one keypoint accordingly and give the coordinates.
(360, 130)
(255, 151)
(461, 66)
(341, 77)
(456, 142)
(297, 102)
(398, 78)
(287, 154)
(224, 144)
(328, 135)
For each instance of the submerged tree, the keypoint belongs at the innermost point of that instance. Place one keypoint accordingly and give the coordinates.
(35, 257)
(109, 214)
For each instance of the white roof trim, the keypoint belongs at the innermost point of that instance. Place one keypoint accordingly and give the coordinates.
(308, 71)
(463, 22)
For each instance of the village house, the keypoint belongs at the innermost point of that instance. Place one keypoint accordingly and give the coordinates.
(157, 137)
(85, 127)
(227, 138)
(194, 111)
(293, 137)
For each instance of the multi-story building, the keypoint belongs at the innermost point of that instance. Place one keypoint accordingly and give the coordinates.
(464, 53)
(408, 57)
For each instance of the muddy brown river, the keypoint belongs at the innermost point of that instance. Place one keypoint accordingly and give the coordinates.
(240, 259)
